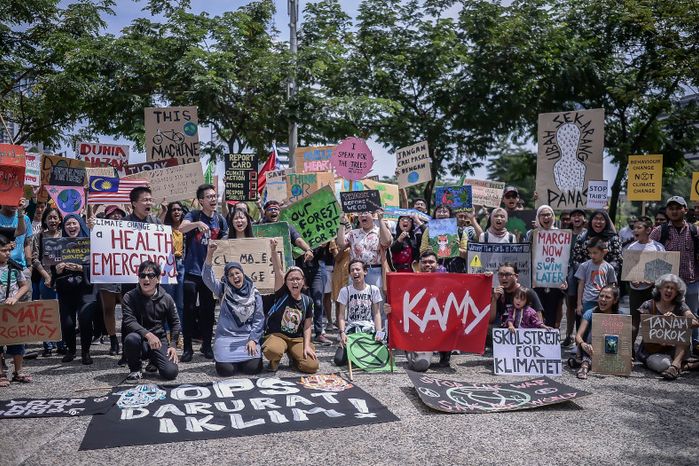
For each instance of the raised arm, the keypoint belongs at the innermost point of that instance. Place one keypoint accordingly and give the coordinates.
(276, 265)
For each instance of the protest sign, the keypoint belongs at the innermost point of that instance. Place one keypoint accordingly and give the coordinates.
(117, 248)
(240, 178)
(316, 217)
(597, 194)
(487, 257)
(520, 221)
(450, 396)
(387, 191)
(104, 155)
(394, 213)
(413, 165)
(64, 249)
(486, 193)
(67, 176)
(172, 133)
(173, 183)
(155, 165)
(48, 162)
(438, 311)
(276, 185)
(444, 237)
(22, 408)
(457, 198)
(360, 201)
(68, 199)
(526, 352)
(254, 254)
(235, 407)
(368, 354)
(611, 343)
(29, 322)
(32, 173)
(645, 178)
(550, 257)
(12, 172)
(352, 159)
(570, 155)
(313, 159)
(300, 185)
(276, 230)
(694, 188)
(666, 330)
(639, 266)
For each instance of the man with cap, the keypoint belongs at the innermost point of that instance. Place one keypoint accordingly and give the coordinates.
(678, 235)
(577, 226)
(510, 198)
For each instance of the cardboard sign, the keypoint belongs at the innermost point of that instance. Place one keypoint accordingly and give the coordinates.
(394, 213)
(639, 266)
(352, 159)
(157, 165)
(597, 194)
(19, 408)
(388, 192)
(313, 159)
(30, 322)
(645, 178)
(12, 173)
(68, 199)
(101, 155)
(118, 247)
(450, 396)
(316, 217)
(276, 185)
(457, 198)
(570, 155)
(526, 352)
(238, 407)
(240, 178)
(444, 237)
(73, 250)
(174, 183)
(486, 193)
(48, 162)
(550, 257)
(487, 257)
(611, 342)
(300, 185)
(666, 330)
(32, 174)
(368, 354)
(360, 201)
(254, 254)
(67, 176)
(172, 133)
(520, 221)
(413, 165)
(438, 311)
(694, 188)
(276, 230)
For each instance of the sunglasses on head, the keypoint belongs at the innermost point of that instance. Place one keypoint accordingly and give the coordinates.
(149, 275)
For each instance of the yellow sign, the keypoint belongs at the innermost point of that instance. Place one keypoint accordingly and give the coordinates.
(645, 181)
(476, 262)
(694, 189)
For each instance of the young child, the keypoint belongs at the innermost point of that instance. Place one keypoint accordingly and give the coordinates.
(593, 275)
(13, 286)
(520, 314)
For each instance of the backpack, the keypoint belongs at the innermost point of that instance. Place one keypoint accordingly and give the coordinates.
(665, 235)
(510, 237)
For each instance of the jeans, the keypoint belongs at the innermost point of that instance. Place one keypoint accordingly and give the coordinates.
(176, 290)
(194, 287)
(316, 287)
(137, 348)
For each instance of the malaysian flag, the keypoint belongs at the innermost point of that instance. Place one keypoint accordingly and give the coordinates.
(107, 190)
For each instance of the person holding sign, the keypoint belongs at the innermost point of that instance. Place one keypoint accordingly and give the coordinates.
(289, 319)
(241, 321)
(668, 300)
(367, 243)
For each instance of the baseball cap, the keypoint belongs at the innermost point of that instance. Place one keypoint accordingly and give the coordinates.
(510, 189)
(577, 211)
(110, 209)
(677, 200)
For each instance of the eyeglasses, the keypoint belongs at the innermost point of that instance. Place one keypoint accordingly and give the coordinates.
(210, 196)
(149, 275)
(505, 274)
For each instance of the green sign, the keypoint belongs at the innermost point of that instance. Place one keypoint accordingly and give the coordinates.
(368, 354)
(273, 230)
(316, 217)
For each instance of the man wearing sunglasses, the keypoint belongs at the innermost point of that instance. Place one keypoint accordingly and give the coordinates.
(145, 311)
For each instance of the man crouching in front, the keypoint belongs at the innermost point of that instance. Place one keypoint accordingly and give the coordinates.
(145, 310)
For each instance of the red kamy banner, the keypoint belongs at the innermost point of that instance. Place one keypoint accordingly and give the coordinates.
(439, 311)
(12, 166)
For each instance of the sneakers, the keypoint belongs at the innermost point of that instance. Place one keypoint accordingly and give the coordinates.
(567, 342)
(134, 377)
(151, 367)
(322, 340)
(69, 356)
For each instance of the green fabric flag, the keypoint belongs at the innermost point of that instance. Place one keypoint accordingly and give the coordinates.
(209, 173)
(368, 354)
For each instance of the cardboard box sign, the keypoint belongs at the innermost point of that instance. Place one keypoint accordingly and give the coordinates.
(670, 330)
(155, 165)
(172, 133)
(30, 322)
(254, 254)
(611, 342)
(413, 165)
(360, 201)
(648, 266)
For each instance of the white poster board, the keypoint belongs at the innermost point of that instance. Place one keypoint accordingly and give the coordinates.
(527, 352)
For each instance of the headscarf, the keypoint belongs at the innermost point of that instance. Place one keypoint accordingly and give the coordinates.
(539, 211)
(491, 229)
(241, 301)
(608, 231)
(84, 231)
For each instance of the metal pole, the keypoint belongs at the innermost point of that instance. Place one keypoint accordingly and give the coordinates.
(293, 47)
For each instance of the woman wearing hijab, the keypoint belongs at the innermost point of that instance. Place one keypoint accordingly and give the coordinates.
(599, 226)
(497, 231)
(75, 295)
(241, 321)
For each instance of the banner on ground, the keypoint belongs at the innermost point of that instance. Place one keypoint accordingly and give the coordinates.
(486, 193)
(450, 396)
(240, 178)
(597, 194)
(117, 248)
(360, 201)
(48, 162)
(57, 250)
(254, 254)
(12, 174)
(394, 213)
(387, 191)
(570, 155)
(276, 185)
(30, 322)
(316, 217)
(173, 183)
(276, 230)
(648, 266)
(301, 185)
(413, 165)
(645, 178)
(154, 414)
(352, 159)
(368, 354)
(443, 236)
(457, 198)
(487, 257)
(666, 330)
(18, 408)
(155, 165)
(32, 173)
(313, 159)
(438, 311)
(550, 256)
(100, 155)
(611, 343)
(172, 133)
(526, 352)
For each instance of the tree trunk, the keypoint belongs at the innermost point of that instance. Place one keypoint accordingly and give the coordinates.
(616, 189)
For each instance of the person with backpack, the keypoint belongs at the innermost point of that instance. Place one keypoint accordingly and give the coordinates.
(200, 227)
(497, 231)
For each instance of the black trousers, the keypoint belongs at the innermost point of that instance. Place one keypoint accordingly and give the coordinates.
(194, 287)
(76, 301)
(229, 369)
(136, 348)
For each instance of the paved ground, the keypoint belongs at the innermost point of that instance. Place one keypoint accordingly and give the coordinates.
(636, 420)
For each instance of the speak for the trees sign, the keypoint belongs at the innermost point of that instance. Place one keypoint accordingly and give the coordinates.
(438, 311)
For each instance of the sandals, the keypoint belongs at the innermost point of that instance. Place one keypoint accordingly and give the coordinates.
(671, 373)
(4, 381)
(21, 378)
(690, 364)
(582, 372)
(574, 363)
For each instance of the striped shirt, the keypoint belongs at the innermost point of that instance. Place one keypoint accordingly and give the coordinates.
(680, 240)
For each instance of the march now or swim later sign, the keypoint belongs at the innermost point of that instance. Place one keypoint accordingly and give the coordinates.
(550, 256)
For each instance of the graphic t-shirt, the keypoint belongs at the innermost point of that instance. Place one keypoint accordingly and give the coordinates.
(11, 222)
(364, 245)
(285, 314)
(595, 277)
(358, 302)
(198, 242)
(15, 277)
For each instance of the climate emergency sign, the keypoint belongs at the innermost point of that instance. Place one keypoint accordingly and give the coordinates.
(118, 247)
(29, 322)
(439, 311)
